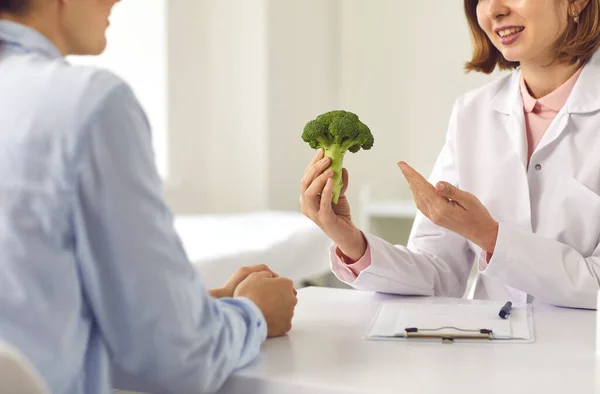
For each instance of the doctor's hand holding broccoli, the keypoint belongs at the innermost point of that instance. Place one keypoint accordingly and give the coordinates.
(325, 181)
(323, 187)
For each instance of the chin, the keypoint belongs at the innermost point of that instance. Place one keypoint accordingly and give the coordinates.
(512, 55)
(98, 51)
(99, 48)
(89, 49)
(512, 58)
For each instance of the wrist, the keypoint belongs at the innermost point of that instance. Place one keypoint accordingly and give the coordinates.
(354, 246)
(488, 243)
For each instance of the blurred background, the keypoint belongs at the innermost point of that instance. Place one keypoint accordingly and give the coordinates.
(228, 86)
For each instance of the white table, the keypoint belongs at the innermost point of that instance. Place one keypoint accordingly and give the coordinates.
(325, 353)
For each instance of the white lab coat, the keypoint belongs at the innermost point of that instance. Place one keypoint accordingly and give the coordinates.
(549, 213)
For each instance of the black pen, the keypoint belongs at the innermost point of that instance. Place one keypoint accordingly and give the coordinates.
(505, 311)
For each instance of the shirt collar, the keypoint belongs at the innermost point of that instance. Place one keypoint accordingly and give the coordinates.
(553, 101)
(27, 38)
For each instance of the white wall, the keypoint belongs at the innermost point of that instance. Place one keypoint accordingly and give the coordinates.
(217, 75)
(237, 105)
(217, 64)
(303, 79)
(187, 63)
(246, 75)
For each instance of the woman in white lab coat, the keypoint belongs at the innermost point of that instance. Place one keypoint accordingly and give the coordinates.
(517, 183)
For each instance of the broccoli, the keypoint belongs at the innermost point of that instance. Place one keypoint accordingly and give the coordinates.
(337, 132)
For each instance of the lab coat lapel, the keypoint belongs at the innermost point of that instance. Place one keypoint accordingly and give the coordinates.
(557, 127)
(509, 104)
(585, 97)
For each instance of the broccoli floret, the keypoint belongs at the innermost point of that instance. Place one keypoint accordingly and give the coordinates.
(337, 132)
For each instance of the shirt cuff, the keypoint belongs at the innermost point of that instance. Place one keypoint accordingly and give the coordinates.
(257, 317)
(346, 269)
(484, 260)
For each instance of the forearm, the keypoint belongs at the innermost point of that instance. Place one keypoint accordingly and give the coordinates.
(412, 271)
(352, 245)
(204, 350)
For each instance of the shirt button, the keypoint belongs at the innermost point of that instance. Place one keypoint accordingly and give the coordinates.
(538, 167)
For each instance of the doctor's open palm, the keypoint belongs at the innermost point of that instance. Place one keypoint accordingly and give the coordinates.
(316, 190)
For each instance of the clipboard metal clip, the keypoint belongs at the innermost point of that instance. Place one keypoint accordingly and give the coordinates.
(413, 332)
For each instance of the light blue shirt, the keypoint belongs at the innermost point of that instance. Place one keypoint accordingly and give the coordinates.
(92, 273)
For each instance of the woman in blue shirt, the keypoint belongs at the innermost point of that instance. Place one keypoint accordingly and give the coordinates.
(92, 272)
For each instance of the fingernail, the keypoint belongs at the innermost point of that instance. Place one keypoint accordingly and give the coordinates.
(441, 187)
(401, 164)
(329, 172)
(324, 160)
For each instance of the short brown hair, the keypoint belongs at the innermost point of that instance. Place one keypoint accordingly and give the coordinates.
(14, 6)
(577, 44)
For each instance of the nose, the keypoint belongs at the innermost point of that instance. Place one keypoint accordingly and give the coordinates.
(497, 9)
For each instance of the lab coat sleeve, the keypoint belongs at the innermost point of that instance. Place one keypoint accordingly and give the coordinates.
(436, 261)
(156, 317)
(549, 270)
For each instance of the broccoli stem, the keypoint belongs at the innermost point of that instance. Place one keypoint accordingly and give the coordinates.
(336, 153)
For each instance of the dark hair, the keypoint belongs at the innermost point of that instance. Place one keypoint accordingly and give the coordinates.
(14, 6)
(577, 44)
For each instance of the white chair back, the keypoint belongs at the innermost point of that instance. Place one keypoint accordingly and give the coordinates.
(17, 374)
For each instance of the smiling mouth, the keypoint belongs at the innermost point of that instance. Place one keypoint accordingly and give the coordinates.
(510, 31)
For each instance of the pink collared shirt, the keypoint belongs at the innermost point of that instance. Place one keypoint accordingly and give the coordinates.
(539, 114)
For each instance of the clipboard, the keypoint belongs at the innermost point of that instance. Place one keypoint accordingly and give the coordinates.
(448, 322)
